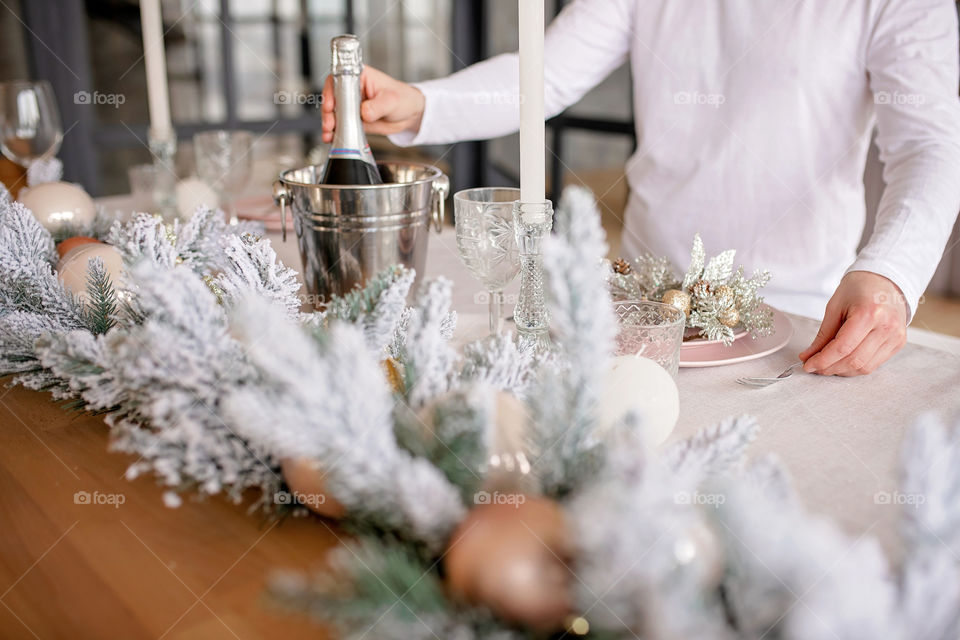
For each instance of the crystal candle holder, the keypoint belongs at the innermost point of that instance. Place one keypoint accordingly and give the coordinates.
(164, 148)
(532, 224)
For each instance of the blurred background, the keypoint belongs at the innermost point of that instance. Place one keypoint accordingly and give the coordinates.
(259, 65)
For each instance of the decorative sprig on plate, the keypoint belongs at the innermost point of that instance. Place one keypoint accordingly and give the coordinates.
(716, 297)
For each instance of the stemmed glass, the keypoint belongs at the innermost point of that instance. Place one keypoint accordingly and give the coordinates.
(486, 242)
(29, 121)
(224, 162)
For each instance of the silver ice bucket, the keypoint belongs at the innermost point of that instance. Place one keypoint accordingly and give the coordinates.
(348, 234)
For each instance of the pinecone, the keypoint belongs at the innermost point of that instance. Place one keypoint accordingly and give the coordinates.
(622, 267)
(700, 289)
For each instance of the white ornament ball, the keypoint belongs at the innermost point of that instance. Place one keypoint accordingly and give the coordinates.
(59, 204)
(72, 267)
(193, 193)
(638, 384)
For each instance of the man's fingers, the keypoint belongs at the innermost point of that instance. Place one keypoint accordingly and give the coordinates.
(854, 329)
(378, 107)
(859, 362)
(884, 353)
(328, 102)
(329, 122)
(828, 329)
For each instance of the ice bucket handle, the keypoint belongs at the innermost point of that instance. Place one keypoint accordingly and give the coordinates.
(282, 197)
(441, 188)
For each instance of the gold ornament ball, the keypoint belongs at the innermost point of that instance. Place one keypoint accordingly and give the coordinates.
(511, 559)
(729, 317)
(678, 299)
(305, 479)
(394, 373)
(723, 293)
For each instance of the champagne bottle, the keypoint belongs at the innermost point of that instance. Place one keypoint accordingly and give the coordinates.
(349, 160)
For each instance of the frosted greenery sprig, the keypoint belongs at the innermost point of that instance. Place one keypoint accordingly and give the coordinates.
(715, 295)
(564, 448)
(378, 306)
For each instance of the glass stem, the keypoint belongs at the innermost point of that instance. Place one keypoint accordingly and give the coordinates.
(496, 312)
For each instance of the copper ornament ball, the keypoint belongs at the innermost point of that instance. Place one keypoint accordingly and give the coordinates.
(511, 559)
(64, 247)
(305, 479)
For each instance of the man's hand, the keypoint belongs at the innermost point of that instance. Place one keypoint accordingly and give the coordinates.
(864, 325)
(389, 106)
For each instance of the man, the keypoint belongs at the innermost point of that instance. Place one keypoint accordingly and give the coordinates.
(753, 123)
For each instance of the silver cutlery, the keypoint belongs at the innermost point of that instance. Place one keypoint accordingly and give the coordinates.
(765, 382)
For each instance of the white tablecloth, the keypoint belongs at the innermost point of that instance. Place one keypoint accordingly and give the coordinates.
(839, 437)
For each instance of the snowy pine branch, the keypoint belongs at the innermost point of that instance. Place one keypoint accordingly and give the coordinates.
(378, 307)
(347, 426)
(253, 268)
(582, 320)
(423, 344)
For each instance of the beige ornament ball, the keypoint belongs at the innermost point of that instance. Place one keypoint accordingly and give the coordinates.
(678, 299)
(305, 479)
(638, 384)
(73, 266)
(511, 558)
(59, 204)
(699, 549)
(193, 193)
(509, 467)
(729, 317)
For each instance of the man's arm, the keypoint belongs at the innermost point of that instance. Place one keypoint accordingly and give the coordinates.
(913, 66)
(588, 40)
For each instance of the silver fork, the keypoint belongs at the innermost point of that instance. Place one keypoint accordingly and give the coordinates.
(765, 382)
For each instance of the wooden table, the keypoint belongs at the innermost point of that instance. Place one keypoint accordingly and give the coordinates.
(140, 570)
(133, 570)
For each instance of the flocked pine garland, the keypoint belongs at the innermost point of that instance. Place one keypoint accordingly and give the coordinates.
(716, 298)
(208, 371)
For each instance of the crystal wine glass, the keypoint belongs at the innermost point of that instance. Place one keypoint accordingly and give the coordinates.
(224, 162)
(29, 121)
(486, 242)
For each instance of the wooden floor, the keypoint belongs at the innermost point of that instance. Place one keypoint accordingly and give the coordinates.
(70, 570)
(939, 314)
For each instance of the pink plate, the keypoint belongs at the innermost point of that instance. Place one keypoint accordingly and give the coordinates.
(696, 343)
(741, 350)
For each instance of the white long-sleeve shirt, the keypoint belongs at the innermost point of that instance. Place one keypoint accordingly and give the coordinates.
(753, 122)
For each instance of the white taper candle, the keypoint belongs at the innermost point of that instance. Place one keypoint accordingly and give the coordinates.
(156, 62)
(532, 146)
